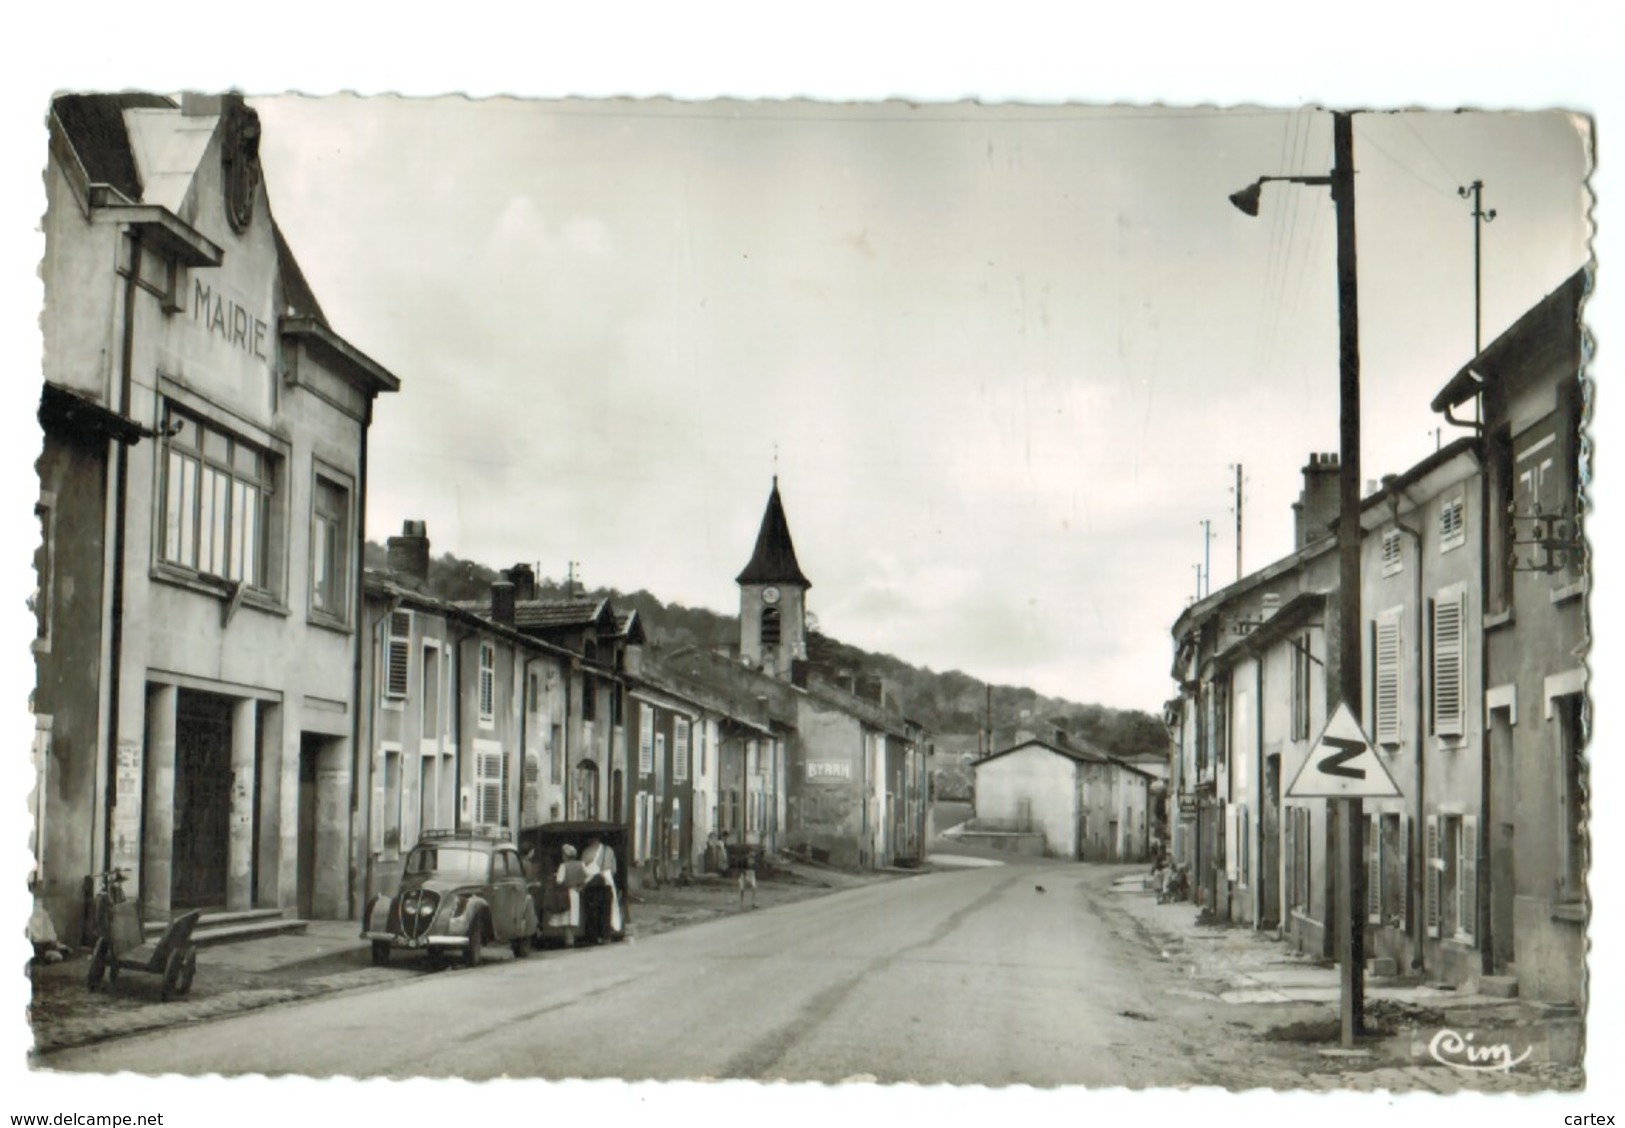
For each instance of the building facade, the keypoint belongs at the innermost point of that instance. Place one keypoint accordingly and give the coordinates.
(202, 504)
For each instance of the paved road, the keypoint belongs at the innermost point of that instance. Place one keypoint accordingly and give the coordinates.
(972, 977)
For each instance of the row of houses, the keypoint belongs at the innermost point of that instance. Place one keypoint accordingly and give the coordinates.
(231, 710)
(1472, 599)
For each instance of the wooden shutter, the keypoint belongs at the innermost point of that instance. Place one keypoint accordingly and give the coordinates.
(1449, 616)
(1405, 848)
(1230, 842)
(1373, 870)
(1386, 698)
(680, 752)
(488, 788)
(1289, 843)
(1467, 875)
(398, 654)
(646, 740)
(1434, 868)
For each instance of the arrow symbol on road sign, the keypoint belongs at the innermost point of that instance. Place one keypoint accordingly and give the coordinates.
(1346, 751)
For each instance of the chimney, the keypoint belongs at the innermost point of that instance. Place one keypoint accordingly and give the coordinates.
(1318, 505)
(409, 554)
(502, 602)
(523, 577)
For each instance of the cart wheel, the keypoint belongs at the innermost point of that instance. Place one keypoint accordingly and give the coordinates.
(475, 952)
(172, 974)
(98, 963)
(380, 953)
(188, 972)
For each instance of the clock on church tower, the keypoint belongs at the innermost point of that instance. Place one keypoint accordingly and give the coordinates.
(772, 596)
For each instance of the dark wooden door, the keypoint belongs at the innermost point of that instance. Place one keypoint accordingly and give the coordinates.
(202, 800)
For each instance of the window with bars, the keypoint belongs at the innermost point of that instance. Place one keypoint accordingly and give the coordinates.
(1385, 661)
(398, 655)
(217, 492)
(488, 685)
(679, 767)
(1447, 625)
(330, 548)
(1453, 523)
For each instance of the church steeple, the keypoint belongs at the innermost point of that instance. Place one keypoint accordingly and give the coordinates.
(773, 596)
(774, 561)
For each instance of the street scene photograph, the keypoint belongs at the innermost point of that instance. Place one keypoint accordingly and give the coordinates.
(1071, 596)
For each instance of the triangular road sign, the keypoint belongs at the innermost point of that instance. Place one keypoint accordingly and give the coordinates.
(1343, 765)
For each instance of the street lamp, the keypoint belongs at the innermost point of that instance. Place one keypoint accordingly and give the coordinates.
(1351, 937)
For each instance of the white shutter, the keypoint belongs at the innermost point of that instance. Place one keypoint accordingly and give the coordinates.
(488, 787)
(1407, 895)
(1467, 878)
(1373, 870)
(680, 751)
(1434, 866)
(646, 740)
(1449, 615)
(398, 654)
(1387, 681)
(1230, 842)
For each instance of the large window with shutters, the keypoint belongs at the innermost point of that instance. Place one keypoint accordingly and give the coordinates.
(1447, 650)
(1385, 680)
(397, 655)
(1451, 889)
(1387, 875)
(217, 511)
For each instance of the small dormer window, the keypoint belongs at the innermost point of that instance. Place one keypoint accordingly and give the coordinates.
(1453, 523)
(1392, 556)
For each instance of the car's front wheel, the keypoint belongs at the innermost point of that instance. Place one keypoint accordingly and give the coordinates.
(475, 952)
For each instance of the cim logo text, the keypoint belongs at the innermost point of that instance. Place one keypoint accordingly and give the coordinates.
(1458, 1051)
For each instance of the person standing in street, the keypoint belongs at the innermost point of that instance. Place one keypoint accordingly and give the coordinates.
(747, 876)
(602, 903)
(569, 880)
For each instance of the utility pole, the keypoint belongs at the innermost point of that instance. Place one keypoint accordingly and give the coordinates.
(1207, 563)
(1238, 522)
(1475, 191)
(1351, 821)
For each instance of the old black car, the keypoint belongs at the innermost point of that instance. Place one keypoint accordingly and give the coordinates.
(460, 890)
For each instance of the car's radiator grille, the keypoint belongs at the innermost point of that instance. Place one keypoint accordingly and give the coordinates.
(417, 907)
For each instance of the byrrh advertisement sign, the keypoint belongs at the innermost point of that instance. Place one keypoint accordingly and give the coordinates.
(829, 769)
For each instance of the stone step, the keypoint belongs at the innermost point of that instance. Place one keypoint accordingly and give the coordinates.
(1499, 986)
(231, 927)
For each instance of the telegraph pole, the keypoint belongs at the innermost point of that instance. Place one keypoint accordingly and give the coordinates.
(1238, 522)
(1206, 572)
(1351, 820)
(1475, 191)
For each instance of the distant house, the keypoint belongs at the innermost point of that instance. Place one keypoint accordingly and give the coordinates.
(1088, 805)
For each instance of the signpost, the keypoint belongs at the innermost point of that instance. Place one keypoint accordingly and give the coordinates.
(1344, 766)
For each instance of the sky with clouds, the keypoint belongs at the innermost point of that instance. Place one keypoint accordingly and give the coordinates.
(1003, 357)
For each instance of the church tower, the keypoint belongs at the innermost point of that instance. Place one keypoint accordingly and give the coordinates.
(773, 596)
